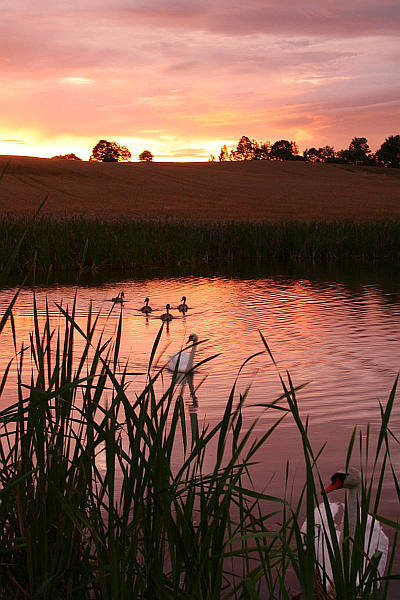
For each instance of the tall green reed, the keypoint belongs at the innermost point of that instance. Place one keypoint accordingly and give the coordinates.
(143, 245)
(94, 501)
(354, 568)
(107, 496)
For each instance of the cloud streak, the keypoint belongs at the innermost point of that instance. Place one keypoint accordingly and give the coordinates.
(310, 17)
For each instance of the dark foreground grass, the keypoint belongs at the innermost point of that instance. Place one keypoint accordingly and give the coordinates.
(138, 246)
(103, 496)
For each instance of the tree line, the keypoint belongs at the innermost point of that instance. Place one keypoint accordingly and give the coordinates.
(105, 151)
(358, 152)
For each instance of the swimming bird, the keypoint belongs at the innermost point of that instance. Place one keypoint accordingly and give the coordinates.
(183, 307)
(375, 538)
(146, 308)
(182, 362)
(119, 298)
(166, 316)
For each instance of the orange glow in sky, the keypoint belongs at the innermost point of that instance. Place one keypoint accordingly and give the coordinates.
(183, 78)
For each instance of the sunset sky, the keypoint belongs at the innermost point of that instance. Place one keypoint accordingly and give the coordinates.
(183, 77)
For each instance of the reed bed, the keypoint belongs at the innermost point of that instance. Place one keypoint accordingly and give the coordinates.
(137, 246)
(105, 496)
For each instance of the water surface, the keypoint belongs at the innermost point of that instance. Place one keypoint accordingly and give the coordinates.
(341, 338)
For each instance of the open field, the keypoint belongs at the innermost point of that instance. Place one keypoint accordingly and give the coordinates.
(256, 190)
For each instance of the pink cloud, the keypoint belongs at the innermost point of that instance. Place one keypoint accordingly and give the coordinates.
(205, 70)
(310, 17)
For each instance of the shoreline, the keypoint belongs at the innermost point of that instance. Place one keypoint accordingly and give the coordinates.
(137, 246)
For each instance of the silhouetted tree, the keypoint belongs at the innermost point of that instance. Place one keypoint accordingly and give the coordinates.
(359, 149)
(105, 151)
(344, 156)
(319, 155)
(245, 149)
(282, 150)
(389, 152)
(146, 156)
(312, 155)
(70, 156)
(212, 158)
(261, 152)
(326, 153)
(223, 155)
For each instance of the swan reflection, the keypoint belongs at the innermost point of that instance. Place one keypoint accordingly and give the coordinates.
(188, 380)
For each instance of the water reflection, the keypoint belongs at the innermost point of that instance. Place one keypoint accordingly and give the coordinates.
(340, 336)
(344, 340)
(187, 380)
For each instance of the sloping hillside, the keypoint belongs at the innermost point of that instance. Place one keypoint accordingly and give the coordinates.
(200, 191)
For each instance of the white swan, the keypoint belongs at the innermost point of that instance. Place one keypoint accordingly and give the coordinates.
(119, 298)
(183, 307)
(182, 362)
(166, 316)
(146, 308)
(375, 538)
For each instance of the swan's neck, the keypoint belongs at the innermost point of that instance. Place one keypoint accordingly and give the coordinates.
(352, 509)
(191, 357)
(353, 503)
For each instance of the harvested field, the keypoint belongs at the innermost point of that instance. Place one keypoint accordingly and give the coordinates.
(244, 191)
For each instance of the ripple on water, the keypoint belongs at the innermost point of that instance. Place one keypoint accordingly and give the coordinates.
(343, 340)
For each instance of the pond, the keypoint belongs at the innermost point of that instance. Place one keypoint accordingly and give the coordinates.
(338, 335)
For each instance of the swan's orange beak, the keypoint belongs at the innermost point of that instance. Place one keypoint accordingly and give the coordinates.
(334, 485)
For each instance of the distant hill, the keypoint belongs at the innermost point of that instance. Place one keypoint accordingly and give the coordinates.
(229, 191)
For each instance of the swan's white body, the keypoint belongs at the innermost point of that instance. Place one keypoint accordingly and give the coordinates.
(375, 538)
(182, 362)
